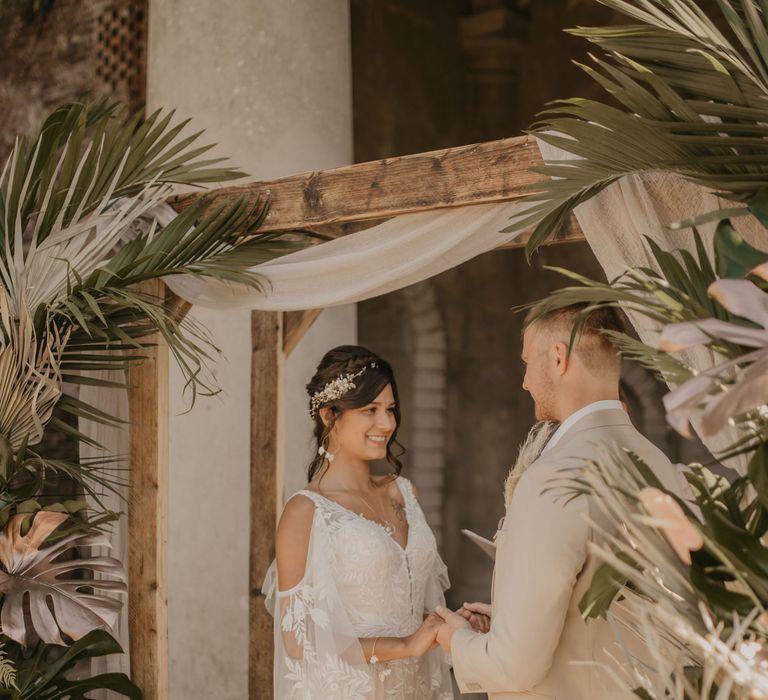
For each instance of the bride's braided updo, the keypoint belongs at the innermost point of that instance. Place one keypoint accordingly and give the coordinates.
(372, 376)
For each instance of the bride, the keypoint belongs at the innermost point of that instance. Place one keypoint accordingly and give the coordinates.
(357, 570)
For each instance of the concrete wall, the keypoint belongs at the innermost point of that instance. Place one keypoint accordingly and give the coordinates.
(53, 52)
(270, 82)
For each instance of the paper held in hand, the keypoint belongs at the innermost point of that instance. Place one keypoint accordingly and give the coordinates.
(486, 545)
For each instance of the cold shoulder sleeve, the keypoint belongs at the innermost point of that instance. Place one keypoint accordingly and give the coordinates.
(317, 653)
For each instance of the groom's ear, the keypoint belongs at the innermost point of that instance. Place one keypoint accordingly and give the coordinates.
(561, 357)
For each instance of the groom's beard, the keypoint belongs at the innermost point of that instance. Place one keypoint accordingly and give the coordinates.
(544, 402)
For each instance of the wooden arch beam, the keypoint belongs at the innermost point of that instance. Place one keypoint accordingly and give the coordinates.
(343, 200)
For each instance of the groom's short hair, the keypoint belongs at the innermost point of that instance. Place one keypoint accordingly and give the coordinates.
(593, 329)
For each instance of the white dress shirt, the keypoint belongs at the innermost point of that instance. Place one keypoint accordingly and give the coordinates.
(608, 405)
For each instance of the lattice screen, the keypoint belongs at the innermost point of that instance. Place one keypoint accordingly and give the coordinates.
(121, 50)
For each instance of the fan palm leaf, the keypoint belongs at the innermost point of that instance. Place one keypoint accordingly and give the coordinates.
(30, 376)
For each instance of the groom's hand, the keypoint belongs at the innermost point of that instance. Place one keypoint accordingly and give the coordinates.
(453, 622)
(478, 615)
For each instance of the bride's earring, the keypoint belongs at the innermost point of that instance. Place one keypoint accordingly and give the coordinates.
(323, 452)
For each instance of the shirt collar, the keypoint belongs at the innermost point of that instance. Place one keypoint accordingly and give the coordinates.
(608, 405)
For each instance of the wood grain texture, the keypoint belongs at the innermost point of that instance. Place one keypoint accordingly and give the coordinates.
(476, 174)
(148, 516)
(266, 363)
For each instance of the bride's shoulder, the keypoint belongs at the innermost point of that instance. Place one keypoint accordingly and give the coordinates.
(298, 512)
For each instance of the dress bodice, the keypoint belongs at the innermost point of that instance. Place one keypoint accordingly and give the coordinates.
(359, 582)
(385, 586)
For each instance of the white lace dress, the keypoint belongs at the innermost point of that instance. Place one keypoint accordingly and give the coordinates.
(359, 582)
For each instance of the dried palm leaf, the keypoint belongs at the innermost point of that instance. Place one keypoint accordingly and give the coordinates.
(30, 376)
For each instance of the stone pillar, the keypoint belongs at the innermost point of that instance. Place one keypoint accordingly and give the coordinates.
(270, 82)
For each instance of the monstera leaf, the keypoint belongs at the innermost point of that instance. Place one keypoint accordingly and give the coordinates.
(39, 589)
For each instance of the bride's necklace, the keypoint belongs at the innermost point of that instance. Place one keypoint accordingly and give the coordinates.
(379, 520)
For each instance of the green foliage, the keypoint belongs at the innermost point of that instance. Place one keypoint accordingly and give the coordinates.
(7, 670)
(42, 672)
(78, 234)
(607, 583)
(734, 256)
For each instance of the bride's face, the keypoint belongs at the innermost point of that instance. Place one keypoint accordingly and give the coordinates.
(363, 433)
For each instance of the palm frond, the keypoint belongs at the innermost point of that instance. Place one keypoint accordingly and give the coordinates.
(666, 367)
(691, 102)
(7, 669)
(86, 153)
(30, 376)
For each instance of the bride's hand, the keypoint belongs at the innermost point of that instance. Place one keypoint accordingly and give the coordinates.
(424, 639)
(478, 615)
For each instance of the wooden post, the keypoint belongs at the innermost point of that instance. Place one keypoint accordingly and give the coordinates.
(148, 516)
(266, 437)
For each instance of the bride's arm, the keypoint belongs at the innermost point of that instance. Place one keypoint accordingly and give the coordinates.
(291, 548)
(416, 644)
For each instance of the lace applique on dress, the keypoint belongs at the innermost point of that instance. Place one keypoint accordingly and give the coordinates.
(358, 582)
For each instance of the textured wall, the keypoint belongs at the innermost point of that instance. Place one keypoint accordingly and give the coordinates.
(57, 51)
(269, 81)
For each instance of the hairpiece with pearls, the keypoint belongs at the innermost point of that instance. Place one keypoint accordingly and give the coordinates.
(334, 390)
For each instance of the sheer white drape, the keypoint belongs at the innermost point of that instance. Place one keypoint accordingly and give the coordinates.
(397, 253)
(115, 443)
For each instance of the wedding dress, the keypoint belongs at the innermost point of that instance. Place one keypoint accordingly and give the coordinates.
(358, 582)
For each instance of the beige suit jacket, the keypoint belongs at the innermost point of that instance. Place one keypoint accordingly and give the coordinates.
(538, 645)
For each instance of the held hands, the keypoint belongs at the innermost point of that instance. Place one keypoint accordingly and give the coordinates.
(478, 615)
(424, 639)
(438, 627)
(453, 622)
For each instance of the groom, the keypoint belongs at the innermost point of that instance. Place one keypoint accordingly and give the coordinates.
(538, 645)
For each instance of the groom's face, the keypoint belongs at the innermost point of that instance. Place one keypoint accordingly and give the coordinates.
(539, 379)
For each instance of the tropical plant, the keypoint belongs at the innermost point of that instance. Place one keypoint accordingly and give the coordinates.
(47, 672)
(33, 575)
(83, 224)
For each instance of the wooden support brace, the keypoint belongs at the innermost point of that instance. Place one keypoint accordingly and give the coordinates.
(295, 325)
(148, 516)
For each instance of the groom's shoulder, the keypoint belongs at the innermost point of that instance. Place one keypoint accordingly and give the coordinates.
(544, 472)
